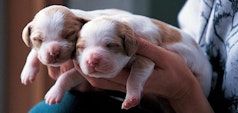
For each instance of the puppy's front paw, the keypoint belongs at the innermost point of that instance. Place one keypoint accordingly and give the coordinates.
(54, 95)
(130, 101)
(28, 75)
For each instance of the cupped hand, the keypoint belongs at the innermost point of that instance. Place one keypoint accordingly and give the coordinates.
(55, 72)
(170, 78)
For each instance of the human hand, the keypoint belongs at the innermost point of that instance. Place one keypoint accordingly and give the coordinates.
(168, 78)
(171, 79)
(55, 72)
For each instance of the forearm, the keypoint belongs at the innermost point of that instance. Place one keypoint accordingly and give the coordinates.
(181, 88)
(192, 102)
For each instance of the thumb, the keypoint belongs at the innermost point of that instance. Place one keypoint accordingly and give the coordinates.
(53, 72)
(159, 55)
(154, 52)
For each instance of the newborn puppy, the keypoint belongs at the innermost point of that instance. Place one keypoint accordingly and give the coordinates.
(107, 44)
(52, 35)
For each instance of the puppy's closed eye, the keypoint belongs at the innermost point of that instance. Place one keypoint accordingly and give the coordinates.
(112, 45)
(115, 45)
(70, 35)
(37, 41)
(80, 45)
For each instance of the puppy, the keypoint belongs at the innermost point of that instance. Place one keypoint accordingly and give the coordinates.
(52, 35)
(107, 44)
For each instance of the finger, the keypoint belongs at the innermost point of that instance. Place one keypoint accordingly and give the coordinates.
(66, 66)
(116, 83)
(122, 77)
(76, 65)
(105, 84)
(53, 72)
(154, 52)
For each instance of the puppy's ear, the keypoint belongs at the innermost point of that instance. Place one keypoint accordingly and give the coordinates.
(26, 34)
(83, 21)
(130, 44)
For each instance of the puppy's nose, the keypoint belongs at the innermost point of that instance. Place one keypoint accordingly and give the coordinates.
(54, 52)
(94, 59)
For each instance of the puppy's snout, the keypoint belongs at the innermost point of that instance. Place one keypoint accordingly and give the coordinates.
(52, 55)
(54, 51)
(93, 60)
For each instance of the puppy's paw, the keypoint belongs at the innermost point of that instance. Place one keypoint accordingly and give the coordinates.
(54, 95)
(130, 102)
(28, 75)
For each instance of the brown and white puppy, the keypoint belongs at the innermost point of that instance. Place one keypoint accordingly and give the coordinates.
(52, 35)
(107, 44)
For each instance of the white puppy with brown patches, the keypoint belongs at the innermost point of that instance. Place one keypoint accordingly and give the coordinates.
(107, 45)
(52, 35)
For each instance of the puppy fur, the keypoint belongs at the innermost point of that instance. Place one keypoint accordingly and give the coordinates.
(107, 44)
(52, 35)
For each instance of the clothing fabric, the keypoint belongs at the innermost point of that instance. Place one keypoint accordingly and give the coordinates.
(214, 25)
(91, 102)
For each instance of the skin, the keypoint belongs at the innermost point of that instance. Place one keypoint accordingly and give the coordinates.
(170, 79)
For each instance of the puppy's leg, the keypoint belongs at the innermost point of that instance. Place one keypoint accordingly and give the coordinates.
(31, 68)
(65, 82)
(141, 69)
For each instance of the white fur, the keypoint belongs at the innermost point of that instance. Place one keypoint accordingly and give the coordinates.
(54, 50)
(196, 59)
(50, 25)
(97, 32)
(47, 27)
(96, 46)
(96, 13)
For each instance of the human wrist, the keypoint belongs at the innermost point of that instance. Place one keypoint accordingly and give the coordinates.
(192, 101)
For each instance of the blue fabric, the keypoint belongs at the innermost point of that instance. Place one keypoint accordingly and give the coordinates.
(63, 107)
(77, 102)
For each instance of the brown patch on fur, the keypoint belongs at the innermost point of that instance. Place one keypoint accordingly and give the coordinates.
(127, 35)
(72, 23)
(71, 28)
(116, 45)
(168, 35)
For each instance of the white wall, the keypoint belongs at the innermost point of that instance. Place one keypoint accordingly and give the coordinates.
(2, 55)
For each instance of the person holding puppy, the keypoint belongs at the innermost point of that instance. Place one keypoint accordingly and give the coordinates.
(214, 26)
(173, 82)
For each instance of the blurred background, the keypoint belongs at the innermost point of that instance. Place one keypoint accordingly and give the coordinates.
(14, 15)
